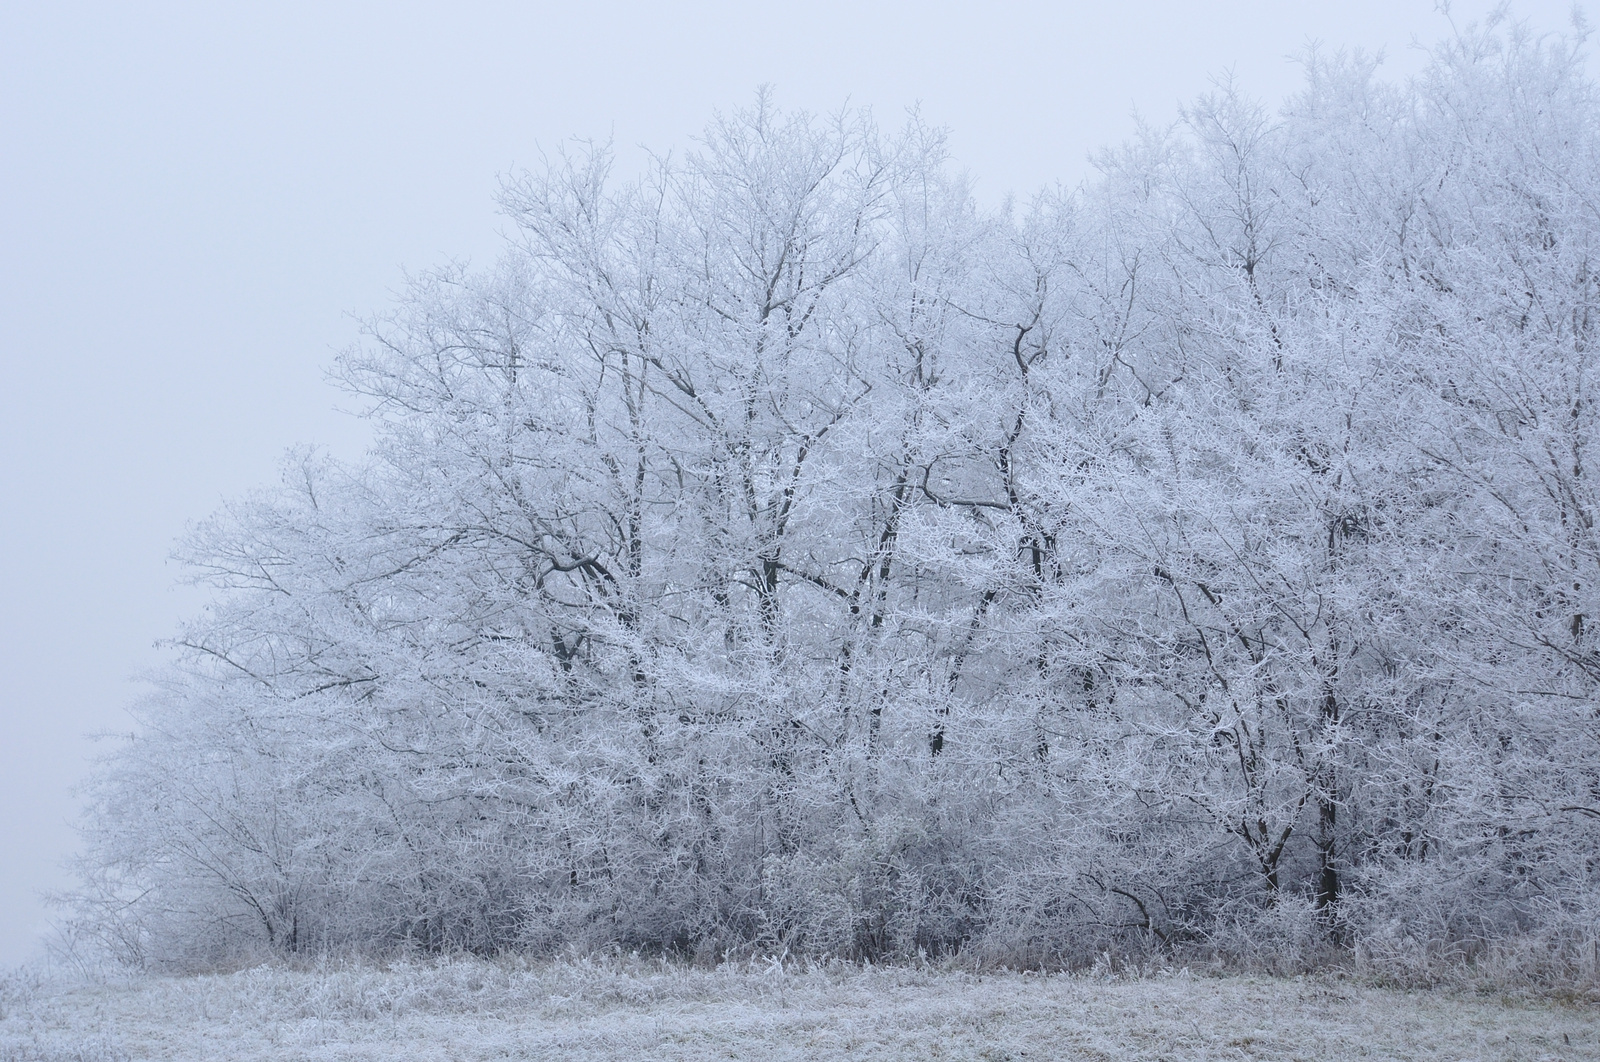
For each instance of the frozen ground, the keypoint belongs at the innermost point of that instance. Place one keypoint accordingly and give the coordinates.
(620, 1009)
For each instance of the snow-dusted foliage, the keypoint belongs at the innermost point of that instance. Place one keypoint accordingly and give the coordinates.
(780, 551)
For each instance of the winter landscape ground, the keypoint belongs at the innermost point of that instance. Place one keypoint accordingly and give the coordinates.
(629, 1009)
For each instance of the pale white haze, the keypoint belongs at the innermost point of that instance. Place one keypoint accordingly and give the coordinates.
(198, 201)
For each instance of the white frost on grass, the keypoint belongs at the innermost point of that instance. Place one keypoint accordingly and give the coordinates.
(471, 1009)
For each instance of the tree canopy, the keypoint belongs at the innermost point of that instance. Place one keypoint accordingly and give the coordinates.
(779, 550)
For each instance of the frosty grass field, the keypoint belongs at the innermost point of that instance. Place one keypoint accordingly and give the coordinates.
(632, 1009)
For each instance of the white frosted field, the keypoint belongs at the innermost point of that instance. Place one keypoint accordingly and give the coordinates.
(470, 1009)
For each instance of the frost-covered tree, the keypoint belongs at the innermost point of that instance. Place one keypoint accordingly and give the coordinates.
(779, 550)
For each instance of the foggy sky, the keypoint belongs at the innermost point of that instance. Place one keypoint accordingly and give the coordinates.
(196, 203)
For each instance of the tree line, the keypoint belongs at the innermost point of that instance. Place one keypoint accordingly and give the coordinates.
(779, 550)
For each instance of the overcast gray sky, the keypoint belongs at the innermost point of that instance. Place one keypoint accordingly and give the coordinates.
(196, 199)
